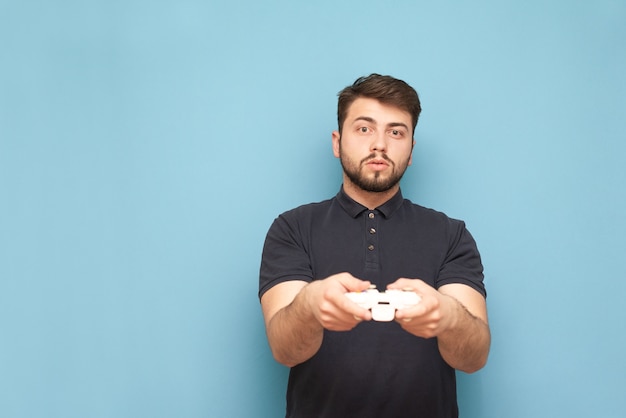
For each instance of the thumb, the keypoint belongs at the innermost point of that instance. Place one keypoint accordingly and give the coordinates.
(352, 284)
(415, 285)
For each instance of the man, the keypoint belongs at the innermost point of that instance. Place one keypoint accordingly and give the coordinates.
(343, 364)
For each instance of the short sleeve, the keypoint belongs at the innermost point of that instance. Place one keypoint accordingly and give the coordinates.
(284, 256)
(462, 263)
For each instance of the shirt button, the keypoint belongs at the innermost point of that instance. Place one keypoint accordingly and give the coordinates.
(371, 215)
(372, 231)
(370, 247)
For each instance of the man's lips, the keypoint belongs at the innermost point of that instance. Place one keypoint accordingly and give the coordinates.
(377, 163)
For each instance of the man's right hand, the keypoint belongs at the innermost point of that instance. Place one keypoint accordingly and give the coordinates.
(329, 304)
(296, 313)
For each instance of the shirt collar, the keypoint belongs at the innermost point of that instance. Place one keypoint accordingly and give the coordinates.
(353, 208)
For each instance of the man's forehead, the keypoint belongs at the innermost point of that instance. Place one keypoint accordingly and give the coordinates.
(374, 110)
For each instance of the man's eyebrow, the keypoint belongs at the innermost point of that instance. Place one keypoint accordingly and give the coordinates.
(389, 125)
(365, 118)
(396, 124)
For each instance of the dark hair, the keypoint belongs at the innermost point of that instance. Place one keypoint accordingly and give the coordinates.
(385, 89)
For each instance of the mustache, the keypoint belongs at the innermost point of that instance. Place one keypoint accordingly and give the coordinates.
(374, 156)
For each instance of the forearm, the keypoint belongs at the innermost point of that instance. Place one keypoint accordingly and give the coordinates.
(465, 344)
(294, 334)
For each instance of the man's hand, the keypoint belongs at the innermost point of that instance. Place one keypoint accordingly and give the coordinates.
(456, 314)
(297, 312)
(431, 316)
(329, 304)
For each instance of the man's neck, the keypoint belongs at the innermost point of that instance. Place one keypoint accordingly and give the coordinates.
(370, 200)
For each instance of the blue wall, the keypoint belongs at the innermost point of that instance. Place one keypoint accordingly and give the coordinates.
(145, 148)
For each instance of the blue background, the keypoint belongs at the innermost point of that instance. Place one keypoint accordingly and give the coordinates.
(145, 148)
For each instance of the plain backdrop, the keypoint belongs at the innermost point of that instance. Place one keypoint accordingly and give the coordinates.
(146, 147)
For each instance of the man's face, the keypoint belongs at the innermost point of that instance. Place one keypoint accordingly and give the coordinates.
(375, 146)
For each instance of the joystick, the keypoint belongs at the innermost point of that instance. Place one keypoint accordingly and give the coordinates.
(384, 304)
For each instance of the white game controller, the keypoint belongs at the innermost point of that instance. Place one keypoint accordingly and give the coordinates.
(384, 304)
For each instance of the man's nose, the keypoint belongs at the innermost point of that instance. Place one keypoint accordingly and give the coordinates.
(379, 142)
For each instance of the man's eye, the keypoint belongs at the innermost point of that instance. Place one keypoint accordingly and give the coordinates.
(364, 129)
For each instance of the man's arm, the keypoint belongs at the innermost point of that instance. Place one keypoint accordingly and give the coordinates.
(296, 313)
(457, 315)
(292, 332)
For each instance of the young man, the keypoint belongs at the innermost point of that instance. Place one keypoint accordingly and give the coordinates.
(343, 363)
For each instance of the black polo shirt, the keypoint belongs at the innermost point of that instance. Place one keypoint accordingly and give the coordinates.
(377, 369)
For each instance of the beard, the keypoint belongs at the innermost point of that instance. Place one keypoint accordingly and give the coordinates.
(377, 182)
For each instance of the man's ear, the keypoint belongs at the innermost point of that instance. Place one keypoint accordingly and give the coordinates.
(336, 144)
(411, 156)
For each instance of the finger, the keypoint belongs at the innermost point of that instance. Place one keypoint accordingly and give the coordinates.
(355, 310)
(409, 314)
